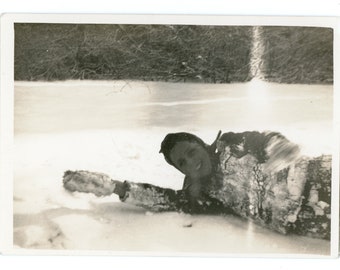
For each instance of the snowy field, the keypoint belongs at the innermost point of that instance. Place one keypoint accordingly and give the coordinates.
(116, 128)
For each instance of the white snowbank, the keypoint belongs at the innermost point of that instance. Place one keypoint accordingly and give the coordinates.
(56, 130)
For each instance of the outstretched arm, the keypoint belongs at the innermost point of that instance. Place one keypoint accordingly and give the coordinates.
(145, 195)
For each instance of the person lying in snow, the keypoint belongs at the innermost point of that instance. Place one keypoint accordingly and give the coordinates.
(258, 176)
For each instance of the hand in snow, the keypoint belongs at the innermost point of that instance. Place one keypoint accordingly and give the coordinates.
(89, 182)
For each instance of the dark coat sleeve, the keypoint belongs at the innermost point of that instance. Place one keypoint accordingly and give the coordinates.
(158, 199)
(154, 198)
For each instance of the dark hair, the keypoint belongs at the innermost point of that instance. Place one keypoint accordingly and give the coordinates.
(172, 138)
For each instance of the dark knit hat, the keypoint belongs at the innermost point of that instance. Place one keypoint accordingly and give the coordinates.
(172, 138)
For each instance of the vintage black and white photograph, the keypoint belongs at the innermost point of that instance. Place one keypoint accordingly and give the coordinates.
(176, 138)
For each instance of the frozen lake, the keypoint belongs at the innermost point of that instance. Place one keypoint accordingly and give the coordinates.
(301, 112)
(116, 128)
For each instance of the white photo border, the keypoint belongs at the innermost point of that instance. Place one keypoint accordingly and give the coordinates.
(7, 102)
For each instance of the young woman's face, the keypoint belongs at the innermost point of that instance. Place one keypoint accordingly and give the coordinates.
(191, 158)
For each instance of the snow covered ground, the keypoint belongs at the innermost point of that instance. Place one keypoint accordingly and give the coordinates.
(116, 128)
